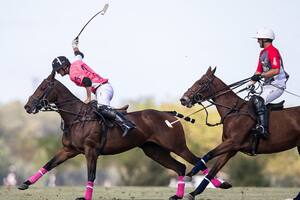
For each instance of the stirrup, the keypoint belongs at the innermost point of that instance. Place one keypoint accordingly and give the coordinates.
(261, 132)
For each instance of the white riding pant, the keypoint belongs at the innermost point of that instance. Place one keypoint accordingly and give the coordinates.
(270, 93)
(104, 94)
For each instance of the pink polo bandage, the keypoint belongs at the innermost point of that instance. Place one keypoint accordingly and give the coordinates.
(180, 186)
(89, 190)
(37, 175)
(215, 181)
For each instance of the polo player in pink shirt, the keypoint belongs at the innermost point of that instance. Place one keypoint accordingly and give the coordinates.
(84, 76)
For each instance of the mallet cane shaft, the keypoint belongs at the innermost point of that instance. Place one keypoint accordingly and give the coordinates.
(102, 12)
(170, 124)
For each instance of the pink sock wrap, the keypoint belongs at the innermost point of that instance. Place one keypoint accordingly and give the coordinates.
(37, 175)
(180, 186)
(89, 190)
(215, 181)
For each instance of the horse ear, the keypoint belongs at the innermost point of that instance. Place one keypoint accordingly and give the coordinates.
(208, 70)
(214, 70)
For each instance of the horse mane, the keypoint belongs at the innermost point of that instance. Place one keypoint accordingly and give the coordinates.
(64, 90)
(225, 86)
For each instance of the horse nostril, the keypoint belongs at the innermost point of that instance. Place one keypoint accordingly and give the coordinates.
(27, 108)
(184, 100)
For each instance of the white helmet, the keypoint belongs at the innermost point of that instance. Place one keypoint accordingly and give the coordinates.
(265, 33)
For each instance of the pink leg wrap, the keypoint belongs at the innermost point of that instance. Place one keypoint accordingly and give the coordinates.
(37, 175)
(89, 190)
(180, 186)
(215, 181)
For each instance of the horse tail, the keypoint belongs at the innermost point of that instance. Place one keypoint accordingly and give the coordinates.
(179, 115)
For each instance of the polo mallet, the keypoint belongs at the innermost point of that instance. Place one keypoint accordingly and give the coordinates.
(102, 12)
(170, 124)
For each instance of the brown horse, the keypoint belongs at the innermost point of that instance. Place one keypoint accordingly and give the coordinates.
(85, 135)
(237, 124)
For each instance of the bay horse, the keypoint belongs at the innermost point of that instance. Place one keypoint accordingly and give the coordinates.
(237, 121)
(85, 136)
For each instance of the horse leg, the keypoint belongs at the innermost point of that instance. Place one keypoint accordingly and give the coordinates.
(298, 150)
(221, 161)
(62, 155)
(91, 158)
(187, 155)
(222, 148)
(163, 157)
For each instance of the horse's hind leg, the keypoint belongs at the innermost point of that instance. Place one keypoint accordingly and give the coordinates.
(187, 155)
(163, 157)
(62, 155)
(298, 150)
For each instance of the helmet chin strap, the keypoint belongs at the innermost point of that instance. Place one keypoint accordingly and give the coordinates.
(66, 69)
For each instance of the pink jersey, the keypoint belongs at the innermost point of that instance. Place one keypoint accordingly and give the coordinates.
(79, 70)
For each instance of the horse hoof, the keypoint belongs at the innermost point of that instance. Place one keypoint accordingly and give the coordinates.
(187, 178)
(175, 197)
(80, 198)
(189, 197)
(24, 186)
(225, 185)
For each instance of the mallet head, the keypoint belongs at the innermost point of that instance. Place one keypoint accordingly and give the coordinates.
(104, 9)
(169, 124)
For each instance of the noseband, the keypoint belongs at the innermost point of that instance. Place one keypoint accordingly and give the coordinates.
(43, 102)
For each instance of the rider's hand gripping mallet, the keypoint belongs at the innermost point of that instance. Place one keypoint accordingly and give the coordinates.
(102, 13)
(170, 124)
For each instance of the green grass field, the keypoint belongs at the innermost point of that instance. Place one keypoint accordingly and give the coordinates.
(143, 193)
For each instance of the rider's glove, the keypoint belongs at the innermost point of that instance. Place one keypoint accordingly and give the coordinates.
(75, 43)
(256, 77)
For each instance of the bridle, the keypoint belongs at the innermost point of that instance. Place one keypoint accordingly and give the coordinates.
(43, 104)
(198, 97)
(207, 86)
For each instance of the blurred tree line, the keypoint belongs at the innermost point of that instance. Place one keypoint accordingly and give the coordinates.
(29, 141)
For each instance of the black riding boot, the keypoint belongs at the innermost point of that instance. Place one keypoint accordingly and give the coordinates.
(120, 119)
(263, 119)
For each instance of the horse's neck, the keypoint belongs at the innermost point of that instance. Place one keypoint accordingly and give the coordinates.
(68, 103)
(227, 100)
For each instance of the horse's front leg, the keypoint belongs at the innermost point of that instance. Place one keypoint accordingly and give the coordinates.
(62, 155)
(91, 156)
(221, 161)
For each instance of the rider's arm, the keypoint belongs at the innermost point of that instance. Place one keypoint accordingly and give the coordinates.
(270, 73)
(88, 95)
(87, 84)
(78, 54)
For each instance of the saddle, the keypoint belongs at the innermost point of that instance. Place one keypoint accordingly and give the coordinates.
(270, 107)
(122, 109)
(275, 106)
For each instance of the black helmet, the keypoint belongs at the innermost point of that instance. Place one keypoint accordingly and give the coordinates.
(60, 62)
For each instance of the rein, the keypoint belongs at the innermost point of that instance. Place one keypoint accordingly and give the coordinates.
(221, 92)
(44, 105)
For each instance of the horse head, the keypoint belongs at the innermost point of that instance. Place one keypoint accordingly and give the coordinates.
(200, 91)
(42, 96)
